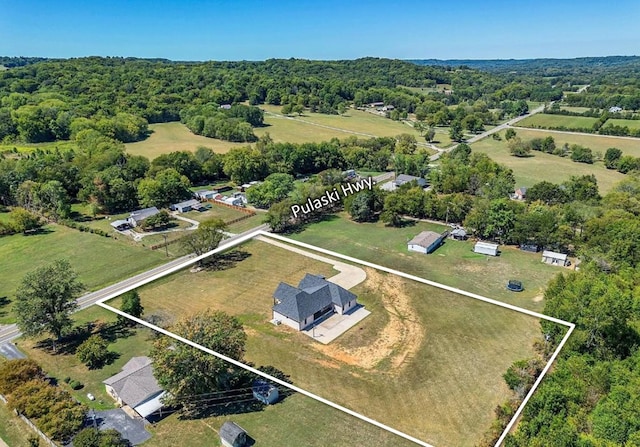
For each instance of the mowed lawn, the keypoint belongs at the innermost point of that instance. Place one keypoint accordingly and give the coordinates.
(99, 261)
(544, 120)
(126, 343)
(454, 263)
(552, 168)
(460, 347)
(296, 421)
(175, 136)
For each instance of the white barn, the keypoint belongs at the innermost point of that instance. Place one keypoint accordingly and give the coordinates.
(554, 258)
(486, 248)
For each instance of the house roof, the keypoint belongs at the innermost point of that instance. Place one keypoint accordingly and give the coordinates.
(404, 178)
(118, 223)
(135, 383)
(143, 213)
(459, 232)
(192, 202)
(205, 192)
(230, 431)
(313, 294)
(522, 189)
(553, 254)
(425, 239)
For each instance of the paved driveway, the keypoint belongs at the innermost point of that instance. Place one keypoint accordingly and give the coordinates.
(11, 351)
(129, 428)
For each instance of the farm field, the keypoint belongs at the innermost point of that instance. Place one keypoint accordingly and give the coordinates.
(543, 120)
(631, 124)
(352, 121)
(552, 168)
(171, 137)
(99, 261)
(426, 355)
(125, 342)
(575, 109)
(453, 264)
(30, 147)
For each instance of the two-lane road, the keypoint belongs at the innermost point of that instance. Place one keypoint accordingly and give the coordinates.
(11, 331)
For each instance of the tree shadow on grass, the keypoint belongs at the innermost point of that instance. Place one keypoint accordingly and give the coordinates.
(69, 343)
(37, 231)
(226, 261)
(4, 301)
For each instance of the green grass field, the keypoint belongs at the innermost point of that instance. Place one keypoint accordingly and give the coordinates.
(453, 264)
(130, 343)
(552, 168)
(543, 120)
(575, 109)
(424, 357)
(631, 124)
(352, 121)
(30, 147)
(171, 137)
(99, 261)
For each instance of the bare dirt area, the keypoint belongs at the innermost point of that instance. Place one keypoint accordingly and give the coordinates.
(399, 339)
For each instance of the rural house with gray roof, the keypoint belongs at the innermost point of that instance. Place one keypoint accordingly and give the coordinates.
(313, 299)
(136, 387)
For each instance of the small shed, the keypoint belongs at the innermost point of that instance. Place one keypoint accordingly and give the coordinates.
(459, 234)
(232, 435)
(554, 258)
(265, 392)
(236, 201)
(486, 248)
(426, 242)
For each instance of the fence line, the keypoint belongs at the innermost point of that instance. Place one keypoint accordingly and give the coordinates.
(33, 427)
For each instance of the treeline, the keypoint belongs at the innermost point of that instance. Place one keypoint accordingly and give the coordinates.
(99, 172)
(40, 101)
(613, 157)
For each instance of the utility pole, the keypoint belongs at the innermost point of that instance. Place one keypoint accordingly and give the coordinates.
(166, 247)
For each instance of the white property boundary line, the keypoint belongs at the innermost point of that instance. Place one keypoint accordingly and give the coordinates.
(250, 236)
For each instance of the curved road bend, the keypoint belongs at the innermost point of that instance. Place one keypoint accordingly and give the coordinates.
(11, 331)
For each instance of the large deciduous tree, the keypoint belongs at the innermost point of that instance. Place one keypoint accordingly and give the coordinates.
(45, 299)
(205, 238)
(186, 372)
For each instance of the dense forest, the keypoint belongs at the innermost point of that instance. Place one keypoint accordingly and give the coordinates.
(55, 99)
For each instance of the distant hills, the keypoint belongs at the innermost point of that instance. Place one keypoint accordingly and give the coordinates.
(529, 65)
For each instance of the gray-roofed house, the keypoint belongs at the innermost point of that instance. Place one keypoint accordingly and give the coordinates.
(136, 387)
(404, 178)
(426, 241)
(136, 217)
(232, 435)
(185, 206)
(314, 298)
(459, 234)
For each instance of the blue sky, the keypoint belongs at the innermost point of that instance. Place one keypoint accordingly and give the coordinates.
(328, 29)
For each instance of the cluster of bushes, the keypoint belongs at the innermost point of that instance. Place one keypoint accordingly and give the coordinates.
(519, 148)
(73, 384)
(84, 228)
(50, 407)
(233, 124)
(20, 221)
(614, 159)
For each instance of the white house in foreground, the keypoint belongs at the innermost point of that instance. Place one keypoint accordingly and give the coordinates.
(314, 298)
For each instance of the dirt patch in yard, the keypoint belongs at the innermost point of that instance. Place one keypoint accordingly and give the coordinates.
(399, 339)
